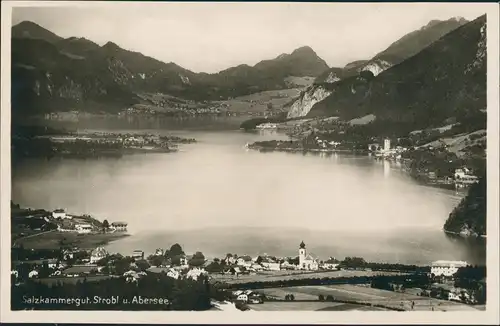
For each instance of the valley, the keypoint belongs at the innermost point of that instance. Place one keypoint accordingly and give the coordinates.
(383, 157)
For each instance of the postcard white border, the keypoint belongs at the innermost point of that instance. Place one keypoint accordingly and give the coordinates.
(491, 314)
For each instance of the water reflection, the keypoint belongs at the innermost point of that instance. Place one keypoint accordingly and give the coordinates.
(387, 168)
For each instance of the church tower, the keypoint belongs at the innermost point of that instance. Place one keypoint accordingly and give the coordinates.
(302, 253)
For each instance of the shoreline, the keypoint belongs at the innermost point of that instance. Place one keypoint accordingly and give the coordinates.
(305, 150)
(478, 236)
(419, 180)
(54, 234)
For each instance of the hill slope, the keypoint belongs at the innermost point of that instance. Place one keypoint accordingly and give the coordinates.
(397, 52)
(469, 217)
(52, 73)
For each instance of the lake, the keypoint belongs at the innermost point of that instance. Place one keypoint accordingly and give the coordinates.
(217, 197)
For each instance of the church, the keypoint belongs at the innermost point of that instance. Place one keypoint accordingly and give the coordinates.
(307, 261)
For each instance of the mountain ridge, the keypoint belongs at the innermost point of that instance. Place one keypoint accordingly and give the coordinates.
(398, 51)
(412, 92)
(85, 75)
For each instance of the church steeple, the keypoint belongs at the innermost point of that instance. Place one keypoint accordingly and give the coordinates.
(302, 245)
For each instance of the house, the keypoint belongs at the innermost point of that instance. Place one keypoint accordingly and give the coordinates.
(238, 292)
(255, 299)
(256, 267)
(184, 260)
(97, 254)
(230, 260)
(119, 226)
(288, 265)
(133, 276)
(244, 261)
(83, 228)
(194, 273)
(446, 267)
(242, 297)
(272, 266)
(33, 274)
(331, 263)
(173, 274)
(159, 252)
(138, 254)
(59, 214)
(307, 261)
(457, 294)
(68, 254)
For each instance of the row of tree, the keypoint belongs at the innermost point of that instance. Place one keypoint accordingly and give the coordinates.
(182, 294)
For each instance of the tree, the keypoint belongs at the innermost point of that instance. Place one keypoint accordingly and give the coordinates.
(105, 225)
(259, 260)
(142, 264)
(214, 267)
(321, 297)
(329, 298)
(353, 262)
(155, 260)
(175, 250)
(197, 260)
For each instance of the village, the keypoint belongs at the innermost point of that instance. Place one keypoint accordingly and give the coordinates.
(61, 255)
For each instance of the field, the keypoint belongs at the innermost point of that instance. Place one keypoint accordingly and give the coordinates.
(294, 275)
(73, 280)
(259, 102)
(53, 239)
(364, 294)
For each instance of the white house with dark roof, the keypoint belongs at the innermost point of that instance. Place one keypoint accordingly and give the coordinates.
(446, 267)
(97, 254)
(307, 261)
(244, 261)
(83, 228)
(119, 226)
(60, 214)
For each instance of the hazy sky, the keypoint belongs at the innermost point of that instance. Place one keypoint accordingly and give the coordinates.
(214, 36)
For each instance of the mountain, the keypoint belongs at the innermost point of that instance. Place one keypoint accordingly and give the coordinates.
(406, 47)
(445, 80)
(301, 62)
(27, 29)
(50, 73)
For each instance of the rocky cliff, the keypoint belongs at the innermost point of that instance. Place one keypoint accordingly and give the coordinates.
(307, 99)
(404, 48)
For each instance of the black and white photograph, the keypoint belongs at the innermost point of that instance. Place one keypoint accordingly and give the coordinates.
(250, 156)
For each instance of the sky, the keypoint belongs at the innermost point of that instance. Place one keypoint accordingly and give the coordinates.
(209, 37)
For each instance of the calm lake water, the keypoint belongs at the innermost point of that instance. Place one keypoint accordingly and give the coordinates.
(215, 196)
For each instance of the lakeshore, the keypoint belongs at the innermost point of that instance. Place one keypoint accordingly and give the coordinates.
(42, 229)
(88, 144)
